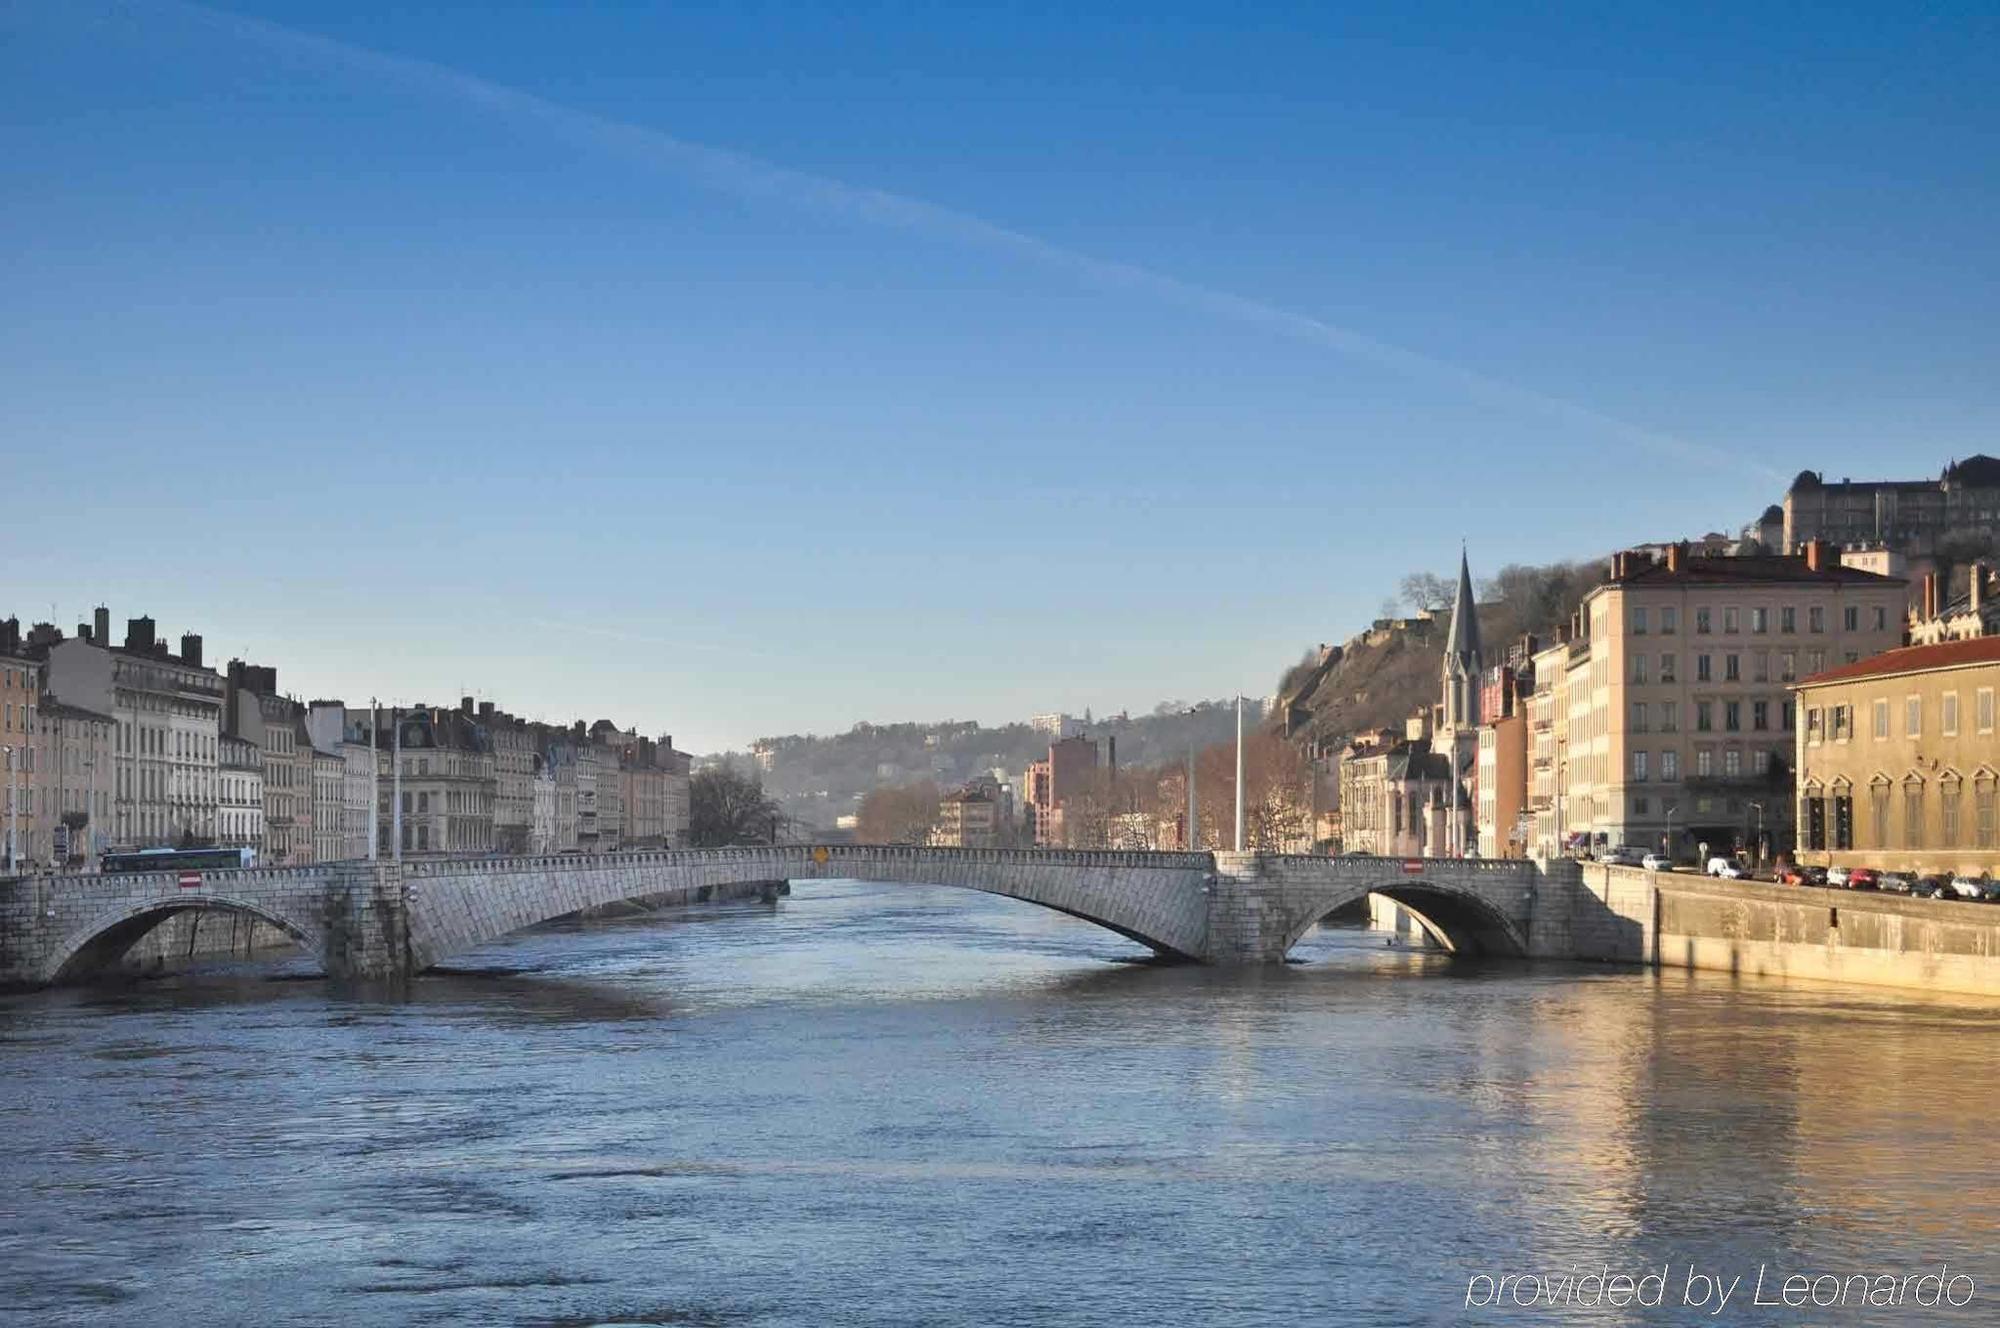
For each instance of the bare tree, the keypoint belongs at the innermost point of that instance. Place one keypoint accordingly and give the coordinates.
(898, 814)
(726, 807)
(1425, 590)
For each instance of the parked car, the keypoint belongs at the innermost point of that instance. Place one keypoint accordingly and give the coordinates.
(1896, 883)
(1863, 878)
(1978, 889)
(1836, 877)
(1727, 868)
(1657, 862)
(1797, 875)
(1624, 855)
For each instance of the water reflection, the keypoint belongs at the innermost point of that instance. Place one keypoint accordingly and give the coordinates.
(894, 1105)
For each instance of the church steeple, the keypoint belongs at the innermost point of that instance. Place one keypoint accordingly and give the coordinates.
(1463, 640)
(1463, 659)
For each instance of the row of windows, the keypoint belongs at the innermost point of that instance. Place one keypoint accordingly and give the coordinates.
(1837, 722)
(1763, 715)
(1642, 670)
(1705, 763)
(1828, 822)
(1759, 618)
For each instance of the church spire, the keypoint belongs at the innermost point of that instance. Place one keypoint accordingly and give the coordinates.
(1462, 642)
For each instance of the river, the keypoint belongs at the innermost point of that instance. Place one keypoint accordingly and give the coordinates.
(899, 1105)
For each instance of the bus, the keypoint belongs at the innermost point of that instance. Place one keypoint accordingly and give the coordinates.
(178, 859)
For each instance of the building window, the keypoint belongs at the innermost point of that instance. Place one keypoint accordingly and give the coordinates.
(1816, 661)
(1639, 669)
(1701, 622)
(1761, 661)
(1667, 674)
(1913, 717)
(1982, 709)
(1788, 666)
(1982, 811)
(1815, 819)
(1788, 619)
(1843, 821)
(1760, 620)
(1760, 715)
(1704, 716)
(1639, 767)
(1850, 618)
(1704, 762)
(1670, 765)
(1638, 620)
(1670, 717)
(1732, 667)
(1948, 715)
(1732, 763)
(1816, 619)
(1878, 809)
(1913, 815)
(1640, 806)
(1732, 716)
(1881, 618)
(1881, 719)
(1670, 620)
(1948, 792)
(1729, 622)
(1638, 717)
(1703, 671)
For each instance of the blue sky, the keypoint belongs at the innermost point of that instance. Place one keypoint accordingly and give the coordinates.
(744, 368)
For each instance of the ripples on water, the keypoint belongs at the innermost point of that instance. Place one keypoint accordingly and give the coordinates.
(894, 1105)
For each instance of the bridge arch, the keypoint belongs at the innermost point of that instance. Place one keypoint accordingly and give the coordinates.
(102, 941)
(1156, 899)
(1462, 920)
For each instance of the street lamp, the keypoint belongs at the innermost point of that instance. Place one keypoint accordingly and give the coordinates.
(13, 816)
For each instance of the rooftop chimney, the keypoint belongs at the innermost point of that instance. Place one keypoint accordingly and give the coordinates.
(1677, 556)
(1976, 589)
(465, 705)
(1927, 603)
(486, 712)
(83, 632)
(190, 649)
(139, 635)
(101, 626)
(1819, 555)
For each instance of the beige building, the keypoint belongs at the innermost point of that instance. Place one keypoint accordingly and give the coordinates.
(1972, 613)
(1548, 748)
(239, 815)
(447, 785)
(1679, 725)
(21, 760)
(1899, 761)
(967, 818)
(73, 804)
(168, 709)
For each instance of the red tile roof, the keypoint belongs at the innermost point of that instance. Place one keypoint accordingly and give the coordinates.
(1914, 659)
(1748, 569)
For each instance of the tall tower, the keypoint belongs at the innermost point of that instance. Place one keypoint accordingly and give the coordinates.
(1463, 660)
(1458, 734)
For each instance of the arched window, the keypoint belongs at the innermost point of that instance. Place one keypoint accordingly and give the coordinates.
(1913, 811)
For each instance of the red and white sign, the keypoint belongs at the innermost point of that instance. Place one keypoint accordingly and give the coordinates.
(190, 880)
(1413, 866)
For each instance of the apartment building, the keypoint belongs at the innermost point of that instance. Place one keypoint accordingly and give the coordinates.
(1065, 772)
(448, 786)
(168, 712)
(73, 804)
(20, 755)
(1679, 726)
(239, 815)
(969, 818)
(1899, 761)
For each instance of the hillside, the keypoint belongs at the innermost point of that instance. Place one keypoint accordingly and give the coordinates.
(817, 778)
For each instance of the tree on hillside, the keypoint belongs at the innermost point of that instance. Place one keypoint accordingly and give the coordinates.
(1425, 590)
(726, 806)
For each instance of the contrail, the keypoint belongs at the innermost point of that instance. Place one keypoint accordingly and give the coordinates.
(752, 178)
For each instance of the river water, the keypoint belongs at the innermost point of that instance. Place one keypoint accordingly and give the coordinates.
(896, 1105)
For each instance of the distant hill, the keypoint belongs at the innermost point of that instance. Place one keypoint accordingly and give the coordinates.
(817, 778)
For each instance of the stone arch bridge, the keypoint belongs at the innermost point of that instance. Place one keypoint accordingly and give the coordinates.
(376, 920)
